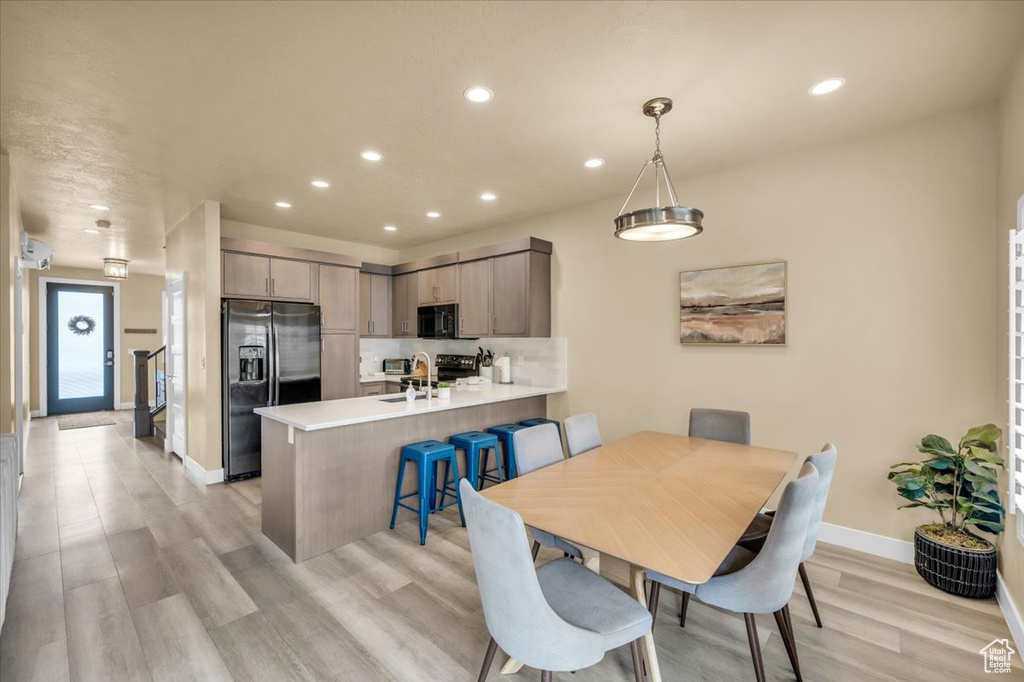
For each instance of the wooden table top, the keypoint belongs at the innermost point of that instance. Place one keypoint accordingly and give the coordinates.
(668, 503)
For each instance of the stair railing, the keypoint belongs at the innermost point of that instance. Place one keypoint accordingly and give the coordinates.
(143, 411)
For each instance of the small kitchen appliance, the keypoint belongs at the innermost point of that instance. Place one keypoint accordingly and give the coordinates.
(398, 366)
(449, 369)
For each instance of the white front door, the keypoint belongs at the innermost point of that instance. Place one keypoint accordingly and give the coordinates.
(176, 367)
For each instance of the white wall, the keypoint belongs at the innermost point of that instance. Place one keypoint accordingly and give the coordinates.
(892, 318)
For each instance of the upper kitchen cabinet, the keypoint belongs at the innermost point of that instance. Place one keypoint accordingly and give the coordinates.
(291, 279)
(439, 285)
(339, 298)
(475, 299)
(404, 301)
(374, 304)
(246, 275)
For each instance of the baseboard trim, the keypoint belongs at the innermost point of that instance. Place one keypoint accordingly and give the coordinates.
(200, 475)
(1010, 611)
(869, 543)
(35, 414)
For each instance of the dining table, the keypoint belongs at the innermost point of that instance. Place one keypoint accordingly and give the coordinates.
(657, 501)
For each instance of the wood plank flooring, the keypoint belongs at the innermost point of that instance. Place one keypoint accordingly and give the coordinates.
(125, 570)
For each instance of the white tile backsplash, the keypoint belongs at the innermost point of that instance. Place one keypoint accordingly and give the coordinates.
(372, 353)
(535, 362)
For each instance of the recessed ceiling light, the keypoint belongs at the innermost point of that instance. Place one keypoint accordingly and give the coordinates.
(371, 155)
(90, 230)
(282, 204)
(593, 163)
(488, 196)
(320, 183)
(390, 228)
(478, 94)
(433, 214)
(99, 207)
(826, 86)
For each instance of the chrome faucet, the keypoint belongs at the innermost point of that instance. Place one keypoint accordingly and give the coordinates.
(430, 373)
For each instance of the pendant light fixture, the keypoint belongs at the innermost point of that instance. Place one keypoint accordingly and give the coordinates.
(115, 268)
(658, 223)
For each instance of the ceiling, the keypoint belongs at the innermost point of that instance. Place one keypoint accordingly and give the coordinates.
(150, 107)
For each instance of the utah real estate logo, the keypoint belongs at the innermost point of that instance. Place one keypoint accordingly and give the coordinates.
(997, 656)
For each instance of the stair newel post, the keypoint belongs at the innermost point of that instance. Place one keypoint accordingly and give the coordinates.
(143, 420)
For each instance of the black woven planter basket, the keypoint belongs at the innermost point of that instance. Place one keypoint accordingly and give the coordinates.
(963, 572)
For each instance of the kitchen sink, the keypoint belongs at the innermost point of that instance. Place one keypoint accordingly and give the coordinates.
(401, 399)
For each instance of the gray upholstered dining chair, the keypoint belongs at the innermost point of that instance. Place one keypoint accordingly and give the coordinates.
(750, 583)
(561, 616)
(725, 425)
(754, 537)
(536, 448)
(581, 433)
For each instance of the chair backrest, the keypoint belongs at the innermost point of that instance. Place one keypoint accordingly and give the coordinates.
(537, 447)
(724, 425)
(825, 463)
(766, 583)
(581, 434)
(517, 615)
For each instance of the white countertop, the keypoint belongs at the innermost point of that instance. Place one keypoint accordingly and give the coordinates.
(377, 378)
(332, 413)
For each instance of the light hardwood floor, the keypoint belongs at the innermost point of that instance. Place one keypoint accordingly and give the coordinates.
(126, 570)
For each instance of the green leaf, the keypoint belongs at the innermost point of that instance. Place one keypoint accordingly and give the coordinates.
(912, 505)
(936, 445)
(939, 463)
(987, 433)
(991, 526)
(980, 471)
(915, 494)
(906, 464)
(982, 453)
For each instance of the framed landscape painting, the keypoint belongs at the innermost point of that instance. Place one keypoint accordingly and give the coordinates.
(744, 304)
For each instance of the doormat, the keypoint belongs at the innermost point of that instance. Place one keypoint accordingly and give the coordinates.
(83, 421)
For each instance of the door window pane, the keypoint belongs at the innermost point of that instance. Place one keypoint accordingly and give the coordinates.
(80, 347)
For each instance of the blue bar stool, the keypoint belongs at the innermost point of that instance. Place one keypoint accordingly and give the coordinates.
(478, 446)
(504, 433)
(427, 454)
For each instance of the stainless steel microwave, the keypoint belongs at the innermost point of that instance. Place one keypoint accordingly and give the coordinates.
(438, 321)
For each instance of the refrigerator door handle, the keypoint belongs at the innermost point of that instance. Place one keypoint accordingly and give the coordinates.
(277, 368)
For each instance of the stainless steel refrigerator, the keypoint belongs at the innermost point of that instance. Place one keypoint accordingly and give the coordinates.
(271, 356)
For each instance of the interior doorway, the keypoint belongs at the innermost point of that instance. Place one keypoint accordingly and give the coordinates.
(174, 328)
(79, 342)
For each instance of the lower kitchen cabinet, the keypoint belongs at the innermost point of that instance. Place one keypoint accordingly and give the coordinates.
(339, 366)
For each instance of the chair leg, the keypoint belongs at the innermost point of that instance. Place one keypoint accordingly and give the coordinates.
(682, 611)
(426, 498)
(444, 486)
(535, 549)
(398, 491)
(634, 649)
(455, 483)
(488, 659)
(810, 595)
(545, 676)
(789, 641)
(755, 646)
(652, 602)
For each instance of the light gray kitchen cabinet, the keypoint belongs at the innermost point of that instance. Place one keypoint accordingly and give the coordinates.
(391, 387)
(339, 298)
(374, 388)
(374, 305)
(439, 285)
(475, 299)
(291, 279)
(404, 301)
(339, 366)
(521, 294)
(246, 275)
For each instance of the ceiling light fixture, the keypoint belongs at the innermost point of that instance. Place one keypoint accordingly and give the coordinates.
(390, 228)
(433, 214)
(321, 184)
(478, 94)
(658, 223)
(115, 268)
(282, 204)
(371, 155)
(826, 86)
(91, 230)
(488, 196)
(593, 163)
(99, 207)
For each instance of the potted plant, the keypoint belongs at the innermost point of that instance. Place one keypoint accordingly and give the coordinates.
(961, 485)
(444, 390)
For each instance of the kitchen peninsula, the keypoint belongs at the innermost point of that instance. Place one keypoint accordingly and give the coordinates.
(329, 468)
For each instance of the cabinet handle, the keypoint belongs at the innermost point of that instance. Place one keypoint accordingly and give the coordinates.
(266, 285)
(437, 293)
(494, 321)
(321, 344)
(321, 318)
(273, 285)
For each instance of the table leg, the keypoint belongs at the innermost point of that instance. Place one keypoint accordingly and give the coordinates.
(636, 584)
(592, 560)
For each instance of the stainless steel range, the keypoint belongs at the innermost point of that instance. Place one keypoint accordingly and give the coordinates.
(449, 368)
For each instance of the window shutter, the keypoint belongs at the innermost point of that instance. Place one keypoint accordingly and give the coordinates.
(1015, 428)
